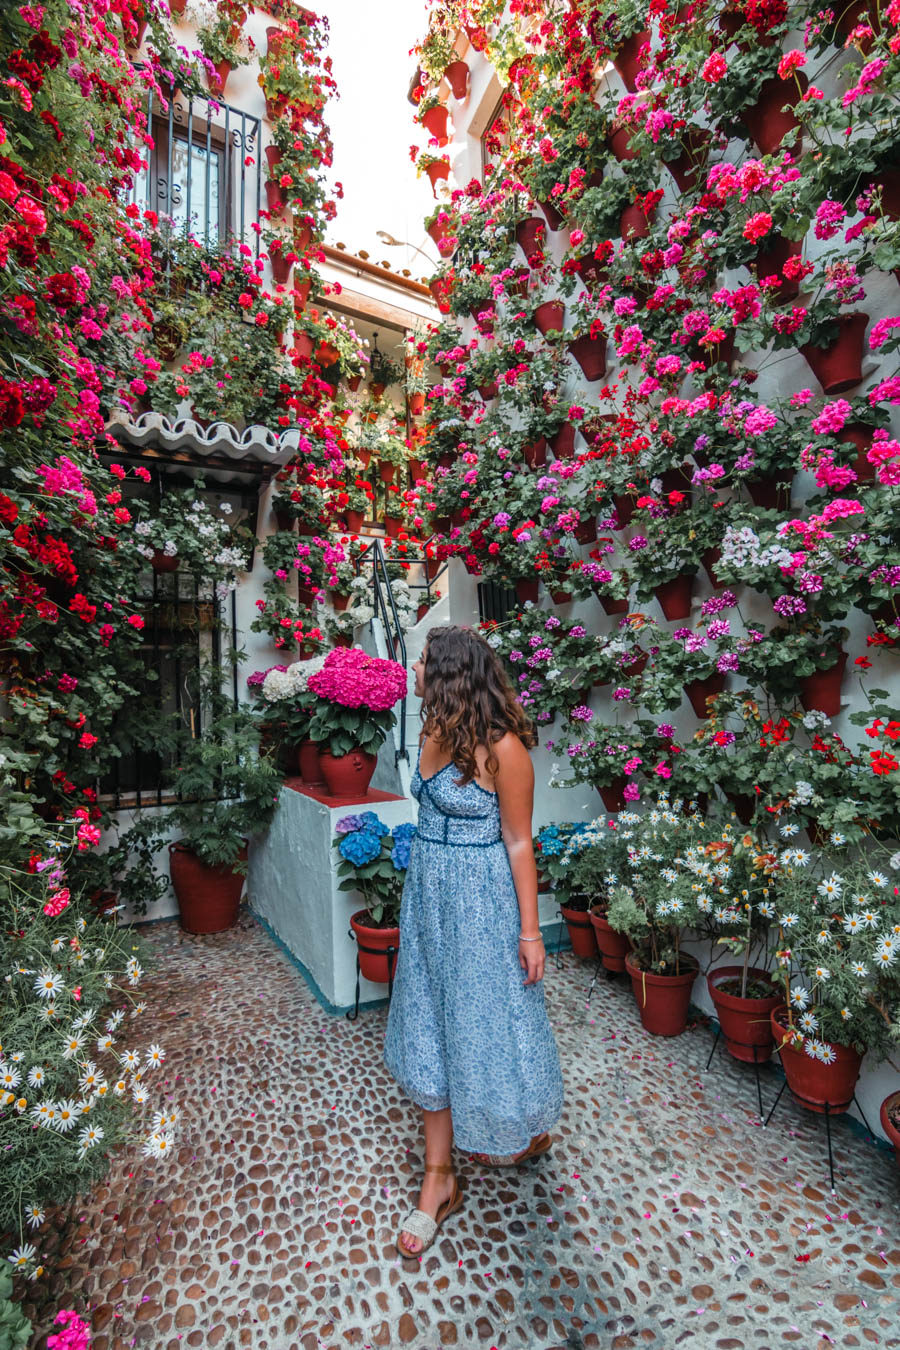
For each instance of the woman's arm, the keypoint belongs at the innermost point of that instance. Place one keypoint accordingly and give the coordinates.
(514, 782)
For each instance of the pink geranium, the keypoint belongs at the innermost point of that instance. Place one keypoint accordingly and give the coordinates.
(356, 680)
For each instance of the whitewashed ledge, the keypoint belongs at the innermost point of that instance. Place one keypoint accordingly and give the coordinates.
(153, 430)
(292, 885)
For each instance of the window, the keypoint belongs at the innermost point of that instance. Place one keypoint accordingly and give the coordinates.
(204, 171)
(496, 139)
(495, 602)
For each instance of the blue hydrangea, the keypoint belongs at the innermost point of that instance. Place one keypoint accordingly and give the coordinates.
(360, 847)
(405, 832)
(400, 854)
(369, 821)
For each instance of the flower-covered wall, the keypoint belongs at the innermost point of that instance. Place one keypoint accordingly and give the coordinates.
(667, 422)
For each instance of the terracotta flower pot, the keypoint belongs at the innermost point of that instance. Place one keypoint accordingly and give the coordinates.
(422, 610)
(208, 897)
(560, 597)
(489, 391)
(274, 197)
(549, 317)
(891, 1106)
(457, 76)
(526, 590)
(274, 38)
(745, 1022)
(392, 525)
(663, 1000)
(859, 436)
(698, 691)
(354, 521)
(435, 123)
(552, 215)
(613, 794)
(416, 404)
(338, 602)
(590, 353)
(309, 765)
(306, 595)
(484, 315)
(624, 510)
(633, 223)
(768, 492)
(812, 1083)
(744, 806)
(530, 235)
(386, 472)
(417, 469)
(765, 120)
(627, 59)
(376, 388)
(691, 163)
(535, 453)
(710, 557)
(675, 597)
(327, 354)
(586, 530)
(821, 691)
(281, 268)
(613, 946)
(563, 442)
(348, 775)
(770, 261)
(223, 69)
(611, 606)
(164, 562)
(838, 366)
(353, 383)
(376, 962)
(581, 931)
(438, 170)
(619, 142)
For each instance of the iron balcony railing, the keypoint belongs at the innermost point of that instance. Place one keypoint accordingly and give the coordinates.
(205, 169)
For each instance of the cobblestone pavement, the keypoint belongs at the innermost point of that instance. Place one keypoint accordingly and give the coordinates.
(665, 1216)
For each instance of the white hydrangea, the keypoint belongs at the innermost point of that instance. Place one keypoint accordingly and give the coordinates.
(277, 686)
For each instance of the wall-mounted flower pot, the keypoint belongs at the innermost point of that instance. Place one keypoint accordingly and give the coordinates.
(633, 223)
(223, 69)
(535, 453)
(561, 597)
(489, 390)
(439, 231)
(627, 59)
(284, 520)
(590, 353)
(690, 165)
(306, 595)
(338, 602)
(812, 1083)
(745, 1022)
(177, 8)
(274, 196)
(890, 1120)
(710, 557)
(838, 366)
(392, 525)
(417, 469)
(435, 123)
(624, 510)
(586, 530)
(549, 317)
(562, 443)
(439, 295)
(772, 116)
(438, 170)
(675, 596)
(273, 159)
(348, 775)
(376, 388)
(303, 345)
(483, 314)
(275, 107)
(553, 216)
(274, 38)
(770, 261)
(613, 606)
(613, 946)
(353, 383)
(581, 931)
(327, 354)
(663, 1000)
(164, 562)
(416, 404)
(141, 30)
(354, 521)
(386, 472)
(613, 794)
(698, 691)
(769, 493)
(619, 142)
(302, 237)
(308, 761)
(301, 295)
(376, 961)
(821, 691)
(526, 589)
(281, 268)
(209, 897)
(859, 436)
(531, 235)
(457, 76)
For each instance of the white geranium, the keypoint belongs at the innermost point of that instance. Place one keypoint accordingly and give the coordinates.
(276, 686)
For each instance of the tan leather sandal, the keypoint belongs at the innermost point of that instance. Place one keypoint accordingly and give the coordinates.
(421, 1225)
(541, 1143)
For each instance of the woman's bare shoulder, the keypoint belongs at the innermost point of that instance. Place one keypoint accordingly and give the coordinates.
(510, 751)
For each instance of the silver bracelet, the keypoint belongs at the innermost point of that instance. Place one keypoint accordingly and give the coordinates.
(539, 938)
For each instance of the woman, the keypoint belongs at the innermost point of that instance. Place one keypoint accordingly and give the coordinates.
(467, 1035)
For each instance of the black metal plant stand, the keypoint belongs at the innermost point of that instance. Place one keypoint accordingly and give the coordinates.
(581, 923)
(389, 952)
(756, 1063)
(831, 1108)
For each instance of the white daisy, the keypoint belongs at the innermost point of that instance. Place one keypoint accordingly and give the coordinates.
(36, 1076)
(90, 1077)
(48, 983)
(22, 1256)
(35, 1216)
(809, 1048)
(827, 1053)
(852, 923)
(799, 996)
(878, 879)
(9, 1078)
(119, 1087)
(105, 1043)
(823, 973)
(164, 1120)
(66, 1112)
(57, 944)
(73, 1045)
(859, 968)
(789, 829)
(155, 1056)
(89, 1137)
(823, 936)
(44, 1113)
(131, 1060)
(788, 920)
(809, 1021)
(837, 838)
(868, 918)
(138, 1096)
(846, 1014)
(159, 1145)
(831, 887)
(766, 909)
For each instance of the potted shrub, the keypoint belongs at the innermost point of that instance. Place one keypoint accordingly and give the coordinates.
(356, 694)
(374, 859)
(185, 531)
(227, 792)
(219, 44)
(417, 385)
(285, 698)
(391, 453)
(383, 371)
(607, 757)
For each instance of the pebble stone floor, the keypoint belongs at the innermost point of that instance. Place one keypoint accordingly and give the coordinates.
(665, 1216)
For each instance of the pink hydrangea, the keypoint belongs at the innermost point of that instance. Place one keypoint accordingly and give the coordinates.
(356, 680)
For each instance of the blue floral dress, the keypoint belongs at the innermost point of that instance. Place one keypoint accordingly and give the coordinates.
(463, 1029)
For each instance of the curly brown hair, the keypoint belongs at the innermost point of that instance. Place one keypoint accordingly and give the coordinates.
(469, 700)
